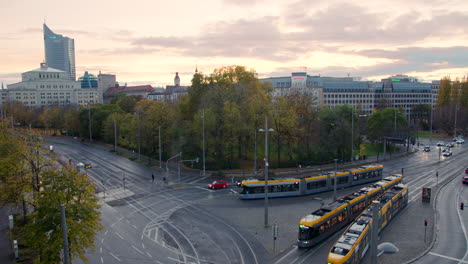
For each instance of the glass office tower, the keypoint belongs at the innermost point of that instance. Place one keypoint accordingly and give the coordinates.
(59, 52)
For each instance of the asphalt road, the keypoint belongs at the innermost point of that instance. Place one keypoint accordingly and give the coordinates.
(184, 222)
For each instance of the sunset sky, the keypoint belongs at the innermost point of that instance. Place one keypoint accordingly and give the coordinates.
(147, 41)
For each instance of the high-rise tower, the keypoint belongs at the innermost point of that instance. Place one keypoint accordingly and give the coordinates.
(59, 52)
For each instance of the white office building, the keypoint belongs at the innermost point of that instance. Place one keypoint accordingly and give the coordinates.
(46, 86)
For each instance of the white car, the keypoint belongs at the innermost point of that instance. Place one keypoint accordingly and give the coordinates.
(440, 144)
(447, 153)
(460, 141)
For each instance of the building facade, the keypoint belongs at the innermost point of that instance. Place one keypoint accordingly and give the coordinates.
(59, 52)
(399, 91)
(140, 90)
(46, 86)
(172, 93)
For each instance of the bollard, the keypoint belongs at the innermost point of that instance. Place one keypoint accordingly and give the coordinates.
(11, 222)
(15, 248)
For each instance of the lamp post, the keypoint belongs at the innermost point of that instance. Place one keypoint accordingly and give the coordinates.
(203, 124)
(352, 133)
(115, 137)
(334, 181)
(430, 134)
(89, 124)
(167, 163)
(160, 160)
(266, 130)
(255, 151)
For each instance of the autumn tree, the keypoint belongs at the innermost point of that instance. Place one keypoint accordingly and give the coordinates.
(68, 187)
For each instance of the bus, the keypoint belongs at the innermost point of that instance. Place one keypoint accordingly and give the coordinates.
(255, 189)
(353, 244)
(320, 224)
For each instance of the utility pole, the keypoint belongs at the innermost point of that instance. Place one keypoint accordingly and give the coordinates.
(139, 135)
(89, 124)
(160, 160)
(115, 136)
(430, 134)
(203, 132)
(266, 130)
(352, 133)
(455, 125)
(12, 127)
(66, 255)
(374, 230)
(334, 181)
(255, 151)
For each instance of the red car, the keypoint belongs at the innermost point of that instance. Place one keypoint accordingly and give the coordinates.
(465, 180)
(466, 170)
(218, 184)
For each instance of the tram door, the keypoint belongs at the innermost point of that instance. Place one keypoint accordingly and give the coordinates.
(302, 186)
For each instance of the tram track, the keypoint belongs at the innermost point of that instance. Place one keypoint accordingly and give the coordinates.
(183, 247)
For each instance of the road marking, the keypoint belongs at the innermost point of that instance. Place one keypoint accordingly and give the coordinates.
(173, 259)
(115, 256)
(100, 250)
(102, 260)
(281, 259)
(102, 241)
(201, 188)
(234, 192)
(106, 232)
(135, 226)
(447, 257)
(143, 245)
(119, 235)
(199, 179)
(149, 254)
(138, 250)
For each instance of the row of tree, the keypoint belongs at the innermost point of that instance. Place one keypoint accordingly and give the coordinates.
(30, 178)
(223, 111)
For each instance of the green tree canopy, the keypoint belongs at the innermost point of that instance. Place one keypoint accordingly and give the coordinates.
(68, 187)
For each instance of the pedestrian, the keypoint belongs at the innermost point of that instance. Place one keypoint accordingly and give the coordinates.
(152, 177)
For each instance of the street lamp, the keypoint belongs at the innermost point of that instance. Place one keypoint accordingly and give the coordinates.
(203, 124)
(89, 124)
(266, 130)
(191, 160)
(334, 181)
(167, 163)
(160, 161)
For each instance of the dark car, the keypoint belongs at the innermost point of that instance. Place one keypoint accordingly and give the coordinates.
(218, 184)
(449, 145)
(466, 170)
(465, 180)
(440, 144)
(426, 148)
(447, 153)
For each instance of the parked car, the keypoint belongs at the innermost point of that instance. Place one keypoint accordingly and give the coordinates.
(447, 153)
(460, 141)
(426, 148)
(440, 144)
(449, 145)
(444, 149)
(466, 170)
(465, 180)
(218, 184)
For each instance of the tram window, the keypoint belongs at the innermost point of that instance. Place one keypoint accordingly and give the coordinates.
(316, 185)
(343, 180)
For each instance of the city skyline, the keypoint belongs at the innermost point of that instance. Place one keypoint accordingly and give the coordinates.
(149, 41)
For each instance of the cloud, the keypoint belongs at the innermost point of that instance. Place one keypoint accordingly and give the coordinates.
(121, 51)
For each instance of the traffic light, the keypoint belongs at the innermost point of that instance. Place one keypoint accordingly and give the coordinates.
(461, 206)
(425, 222)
